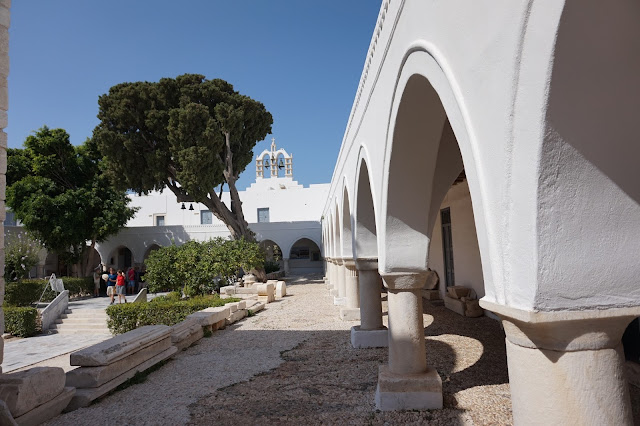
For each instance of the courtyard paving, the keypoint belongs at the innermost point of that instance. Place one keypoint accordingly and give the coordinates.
(293, 364)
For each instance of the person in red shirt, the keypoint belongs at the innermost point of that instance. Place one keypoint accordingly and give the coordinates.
(120, 287)
(131, 281)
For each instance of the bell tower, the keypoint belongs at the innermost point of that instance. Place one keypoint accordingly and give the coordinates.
(275, 160)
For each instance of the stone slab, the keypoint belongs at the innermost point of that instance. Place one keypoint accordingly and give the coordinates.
(208, 317)
(281, 289)
(189, 339)
(458, 291)
(220, 325)
(408, 392)
(245, 290)
(119, 347)
(228, 289)
(236, 316)
(257, 307)
(6, 419)
(48, 410)
(350, 314)
(233, 307)
(455, 305)
(25, 390)
(369, 338)
(432, 280)
(84, 397)
(249, 303)
(141, 297)
(93, 377)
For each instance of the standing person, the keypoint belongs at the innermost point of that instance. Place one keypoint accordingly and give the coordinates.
(120, 287)
(131, 285)
(96, 282)
(111, 285)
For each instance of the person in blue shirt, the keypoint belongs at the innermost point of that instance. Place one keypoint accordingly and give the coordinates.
(111, 285)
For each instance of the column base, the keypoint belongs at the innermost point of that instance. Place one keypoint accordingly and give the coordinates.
(339, 300)
(350, 314)
(369, 338)
(408, 392)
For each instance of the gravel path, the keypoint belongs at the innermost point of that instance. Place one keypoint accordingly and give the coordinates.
(293, 364)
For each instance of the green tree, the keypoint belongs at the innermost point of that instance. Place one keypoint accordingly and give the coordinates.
(61, 195)
(187, 133)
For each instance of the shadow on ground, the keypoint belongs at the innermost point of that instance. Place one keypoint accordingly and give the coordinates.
(325, 381)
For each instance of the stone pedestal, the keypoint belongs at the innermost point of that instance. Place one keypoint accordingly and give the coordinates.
(567, 367)
(369, 338)
(351, 311)
(407, 383)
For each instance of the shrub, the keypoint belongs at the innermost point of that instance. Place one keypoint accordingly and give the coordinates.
(21, 321)
(21, 255)
(197, 268)
(27, 292)
(270, 266)
(165, 310)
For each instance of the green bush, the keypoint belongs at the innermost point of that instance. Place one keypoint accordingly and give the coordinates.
(21, 255)
(198, 268)
(27, 292)
(271, 266)
(167, 310)
(21, 321)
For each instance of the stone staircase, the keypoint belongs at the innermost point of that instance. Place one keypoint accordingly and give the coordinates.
(81, 321)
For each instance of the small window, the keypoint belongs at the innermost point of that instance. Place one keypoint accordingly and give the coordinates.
(300, 253)
(10, 219)
(206, 217)
(160, 220)
(263, 215)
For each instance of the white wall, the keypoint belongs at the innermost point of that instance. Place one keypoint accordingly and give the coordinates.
(467, 266)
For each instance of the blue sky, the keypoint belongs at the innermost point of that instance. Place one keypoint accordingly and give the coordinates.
(302, 59)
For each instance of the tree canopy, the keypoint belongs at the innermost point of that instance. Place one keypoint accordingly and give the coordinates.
(61, 196)
(186, 133)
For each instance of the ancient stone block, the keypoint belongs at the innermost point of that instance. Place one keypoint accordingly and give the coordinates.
(48, 410)
(236, 316)
(210, 316)
(25, 390)
(83, 397)
(257, 307)
(431, 294)
(410, 392)
(432, 280)
(281, 289)
(119, 347)
(458, 291)
(6, 419)
(472, 309)
(92, 377)
(232, 306)
(369, 338)
(455, 305)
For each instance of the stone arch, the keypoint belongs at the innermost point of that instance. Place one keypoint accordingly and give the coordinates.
(427, 143)
(365, 226)
(272, 250)
(152, 247)
(120, 257)
(305, 256)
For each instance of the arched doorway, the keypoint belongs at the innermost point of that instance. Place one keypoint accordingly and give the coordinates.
(273, 255)
(153, 247)
(120, 258)
(305, 257)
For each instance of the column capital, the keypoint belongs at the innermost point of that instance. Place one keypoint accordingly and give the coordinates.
(338, 261)
(364, 264)
(404, 280)
(566, 331)
(350, 264)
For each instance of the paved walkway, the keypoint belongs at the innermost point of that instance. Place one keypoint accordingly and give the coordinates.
(53, 349)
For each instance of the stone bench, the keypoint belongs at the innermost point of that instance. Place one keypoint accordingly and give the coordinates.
(185, 333)
(108, 364)
(212, 319)
(35, 395)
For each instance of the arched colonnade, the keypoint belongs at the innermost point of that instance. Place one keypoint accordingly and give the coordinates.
(541, 135)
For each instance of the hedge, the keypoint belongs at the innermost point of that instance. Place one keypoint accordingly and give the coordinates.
(26, 292)
(167, 310)
(20, 321)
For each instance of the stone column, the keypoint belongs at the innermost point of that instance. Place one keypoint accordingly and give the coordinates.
(328, 279)
(567, 367)
(340, 299)
(285, 262)
(4, 106)
(351, 311)
(371, 333)
(407, 383)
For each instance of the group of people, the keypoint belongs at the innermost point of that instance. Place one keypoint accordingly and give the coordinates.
(117, 283)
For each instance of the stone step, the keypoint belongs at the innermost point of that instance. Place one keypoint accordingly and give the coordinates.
(81, 321)
(78, 327)
(83, 313)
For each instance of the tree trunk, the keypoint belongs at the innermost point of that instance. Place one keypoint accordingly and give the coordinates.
(88, 269)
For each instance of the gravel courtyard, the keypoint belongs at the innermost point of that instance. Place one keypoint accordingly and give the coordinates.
(292, 364)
